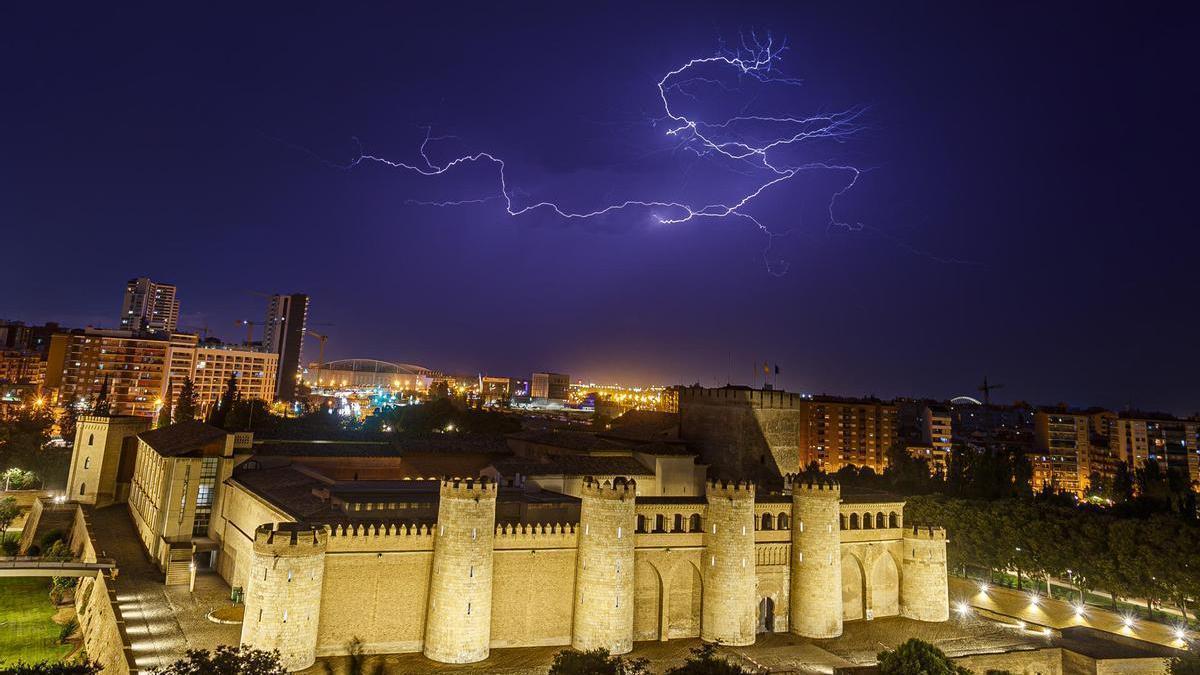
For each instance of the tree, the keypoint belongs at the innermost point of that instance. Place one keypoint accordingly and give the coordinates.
(704, 661)
(596, 662)
(164, 411)
(229, 399)
(49, 668)
(67, 422)
(185, 410)
(917, 657)
(102, 406)
(8, 513)
(226, 660)
(17, 479)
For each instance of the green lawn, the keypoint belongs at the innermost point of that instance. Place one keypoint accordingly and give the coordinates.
(26, 631)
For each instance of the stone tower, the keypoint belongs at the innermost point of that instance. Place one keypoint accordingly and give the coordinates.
(604, 567)
(923, 593)
(458, 625)
(729, 610)
(283, 591)
(815, 606)
(103, 457)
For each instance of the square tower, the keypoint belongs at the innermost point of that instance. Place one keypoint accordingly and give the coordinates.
(103, 457)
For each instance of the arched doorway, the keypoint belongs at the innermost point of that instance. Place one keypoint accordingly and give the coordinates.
(885, 587)
(853, 589)
(766, 616)
(647, 602)
(684, 620)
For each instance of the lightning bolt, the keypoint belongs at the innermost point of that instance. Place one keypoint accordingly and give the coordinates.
(762, 158)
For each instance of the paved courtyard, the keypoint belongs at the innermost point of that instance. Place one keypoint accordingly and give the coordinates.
(162, 622)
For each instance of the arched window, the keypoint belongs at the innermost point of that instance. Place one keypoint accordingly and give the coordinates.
(854, 521)
(843, 519)
(781, 521)
(768, 521)
(678, 523)
(880, 521)
(893, 520)
(83, 488)
(87, 462)
(694, 524)
(641, 524)
(660, 523)
(866, 521)
(91, 439)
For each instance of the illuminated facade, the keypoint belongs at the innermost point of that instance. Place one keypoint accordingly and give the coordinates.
(149, 306)
(369, 374)
(1173, 443)
(137, 367)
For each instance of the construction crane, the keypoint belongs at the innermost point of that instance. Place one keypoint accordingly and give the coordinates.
(249, 328)
(321, 350)
(987, 390)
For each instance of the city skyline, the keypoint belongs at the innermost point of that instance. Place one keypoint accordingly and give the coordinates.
(1010, 227)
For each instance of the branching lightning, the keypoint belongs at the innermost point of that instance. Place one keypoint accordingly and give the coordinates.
(761, 157)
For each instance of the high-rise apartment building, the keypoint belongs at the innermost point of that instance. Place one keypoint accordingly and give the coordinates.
(1173, 443)
(283, 335)
(1062, 452)
(149, 306)
(136, 367)
(836, 431)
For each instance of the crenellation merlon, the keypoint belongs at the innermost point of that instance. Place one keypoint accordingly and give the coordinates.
(381, 530)
(798, 483)
(720, 489)
(468, 488)
(291, 538)
(619, 489)
(925, 532)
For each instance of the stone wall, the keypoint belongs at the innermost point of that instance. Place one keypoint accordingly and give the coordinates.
(743, 434)
(729, 602)
(1031, 662)
(284, 591)
(97, 608)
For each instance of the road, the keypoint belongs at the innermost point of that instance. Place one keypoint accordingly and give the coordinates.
(1057, 614)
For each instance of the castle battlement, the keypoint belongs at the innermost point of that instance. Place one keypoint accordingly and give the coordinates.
(618, 489)
(290, 539)
(468, 488)
(798, 483)
(750, 398)
(381, 530)
(928, 533)
(534, 529)
(720, 489)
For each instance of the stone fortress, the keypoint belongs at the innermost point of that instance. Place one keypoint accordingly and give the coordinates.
(724, 568)
(547, 539)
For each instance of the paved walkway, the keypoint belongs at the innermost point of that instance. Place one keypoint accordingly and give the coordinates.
(1057, 614)
(162, 622)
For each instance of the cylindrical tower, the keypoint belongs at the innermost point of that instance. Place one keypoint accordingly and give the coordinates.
(923, 592)
(283, 591)
(815, 606)
(458, 625)
(604, 567)
(729, 609)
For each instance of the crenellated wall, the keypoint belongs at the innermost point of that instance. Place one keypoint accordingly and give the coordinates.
(284, 591)
(631, 569)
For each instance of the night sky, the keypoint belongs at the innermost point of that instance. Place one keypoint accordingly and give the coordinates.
(1029, 212)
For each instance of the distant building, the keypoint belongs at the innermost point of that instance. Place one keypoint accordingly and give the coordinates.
(835, 432)
(1062, 450)
(137, 366)
(149, 306)
(1173, 443)
(763, 435)
(495, 390)
(283, 335)
(369, 374)
(550, 386)
(22, 367)
(15, 335)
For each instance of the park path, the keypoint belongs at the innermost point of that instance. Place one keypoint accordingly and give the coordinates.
(1057, 614)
